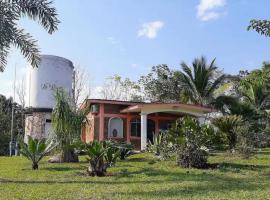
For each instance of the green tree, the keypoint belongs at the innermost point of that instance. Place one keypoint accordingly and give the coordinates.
(162, 84)
(5, 122)
(66, 122)
(261, 26)
(200, 81)
(11, 11)
(35, 150)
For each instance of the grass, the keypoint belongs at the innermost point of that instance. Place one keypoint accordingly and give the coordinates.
(140, 178)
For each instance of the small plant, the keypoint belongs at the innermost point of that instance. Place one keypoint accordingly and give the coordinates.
(155, 146)
(161, 147)
(36, 149)
(125, 150)
(102, 154)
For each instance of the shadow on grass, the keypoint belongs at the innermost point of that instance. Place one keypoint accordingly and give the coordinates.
(235, 166)
(63, 168)
(138, 160)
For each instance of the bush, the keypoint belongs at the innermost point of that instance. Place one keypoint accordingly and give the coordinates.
(193, 158)
(190, 139)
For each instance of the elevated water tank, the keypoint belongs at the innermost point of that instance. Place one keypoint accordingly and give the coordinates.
(53, 72)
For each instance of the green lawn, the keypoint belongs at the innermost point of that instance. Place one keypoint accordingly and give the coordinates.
(140, 178)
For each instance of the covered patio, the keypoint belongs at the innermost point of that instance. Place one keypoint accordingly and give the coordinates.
(170, 108)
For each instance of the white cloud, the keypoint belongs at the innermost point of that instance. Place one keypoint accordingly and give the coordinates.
(208, 9)
(150, 29)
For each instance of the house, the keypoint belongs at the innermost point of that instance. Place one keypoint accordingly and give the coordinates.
(132, 122)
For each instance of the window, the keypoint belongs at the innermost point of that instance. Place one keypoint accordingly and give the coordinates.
(115, 127)
(135, 126)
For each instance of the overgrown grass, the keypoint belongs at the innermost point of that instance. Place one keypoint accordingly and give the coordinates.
(140, 177)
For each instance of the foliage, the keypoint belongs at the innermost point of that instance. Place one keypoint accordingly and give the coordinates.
(200, 81)
(36, 149)
(161, 146)
(190, 139)
(5, 122)
(10, 13)
(66, 124)
(102, 154)
(261, 26)
(162, 84)
(229, 125)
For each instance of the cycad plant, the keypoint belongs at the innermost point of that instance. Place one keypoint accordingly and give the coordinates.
(11, 35)
(102, 154)
(200, 81)
(229, 125)
(36, 149)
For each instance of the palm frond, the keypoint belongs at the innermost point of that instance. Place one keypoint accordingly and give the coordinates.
(27, 45)
(41, 10)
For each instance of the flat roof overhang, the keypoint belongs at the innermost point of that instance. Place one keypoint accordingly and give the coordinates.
(149, 108)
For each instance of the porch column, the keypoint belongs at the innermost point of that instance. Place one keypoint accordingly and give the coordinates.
(143, 131)
(101, 122)
(156, 124)
(128, 128)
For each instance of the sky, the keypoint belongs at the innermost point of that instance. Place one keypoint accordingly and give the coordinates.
(128, 37)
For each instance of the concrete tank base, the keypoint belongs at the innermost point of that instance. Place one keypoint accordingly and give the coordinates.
(37, 125)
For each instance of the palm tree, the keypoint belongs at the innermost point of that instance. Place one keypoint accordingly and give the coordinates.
(35, 150)
(10, 13)
(200, 81)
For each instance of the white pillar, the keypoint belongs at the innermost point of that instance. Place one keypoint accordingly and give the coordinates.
(143, 131)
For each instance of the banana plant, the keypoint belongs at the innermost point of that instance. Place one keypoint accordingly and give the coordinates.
(36, 149)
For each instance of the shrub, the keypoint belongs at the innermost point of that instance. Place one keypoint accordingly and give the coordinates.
(190, 139)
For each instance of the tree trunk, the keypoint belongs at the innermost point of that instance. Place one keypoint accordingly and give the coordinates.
(34, 166)
(69, 156)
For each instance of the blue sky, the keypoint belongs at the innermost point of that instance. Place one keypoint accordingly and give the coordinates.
(128, 37)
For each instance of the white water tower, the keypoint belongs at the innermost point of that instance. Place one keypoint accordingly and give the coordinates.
(41, 82)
